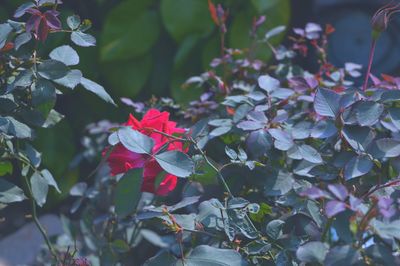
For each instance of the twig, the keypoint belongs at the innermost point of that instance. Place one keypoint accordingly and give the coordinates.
(37, 222)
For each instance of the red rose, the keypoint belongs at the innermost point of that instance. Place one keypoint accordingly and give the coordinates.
(121, 159)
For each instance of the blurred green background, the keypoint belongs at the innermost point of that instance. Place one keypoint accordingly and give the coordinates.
(145, 48)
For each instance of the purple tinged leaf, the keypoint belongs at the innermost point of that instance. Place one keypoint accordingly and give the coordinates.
(33, 23)
(34, 11)
(138, 106)
(257, 117)
(315, 193)
(354, 202)
(268, 83)
(386, 208)
(52, 20)
(283, 141)
(353, 69)
(298, 31)
(257, 95)
(312, 31)
(334, 207)
(339, 191)
(250, 125)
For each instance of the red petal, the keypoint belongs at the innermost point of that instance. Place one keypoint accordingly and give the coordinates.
(121, 160)
(167, 185)
(133, 122)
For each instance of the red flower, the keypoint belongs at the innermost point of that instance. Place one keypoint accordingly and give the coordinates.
(121, 159)
(42, 23)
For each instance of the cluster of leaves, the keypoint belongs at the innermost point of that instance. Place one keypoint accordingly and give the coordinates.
(137, 33)
(29, 84)
(308, 163)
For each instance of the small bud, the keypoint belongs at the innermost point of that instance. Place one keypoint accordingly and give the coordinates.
(380, 20)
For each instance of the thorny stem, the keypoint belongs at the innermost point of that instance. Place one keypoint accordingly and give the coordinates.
(37, 222)
(378, 187)
(371, 59)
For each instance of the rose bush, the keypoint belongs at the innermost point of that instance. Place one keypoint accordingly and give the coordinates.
(278, 166)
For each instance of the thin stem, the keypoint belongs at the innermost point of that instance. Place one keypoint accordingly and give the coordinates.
(378, 187)
(326, 229)
(37, 222)
(220, 176)
(371, 59)
(201, 232)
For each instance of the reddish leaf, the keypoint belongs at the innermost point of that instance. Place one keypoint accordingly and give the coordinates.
(213, 12)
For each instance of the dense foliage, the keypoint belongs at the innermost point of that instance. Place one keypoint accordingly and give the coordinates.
(272, 165)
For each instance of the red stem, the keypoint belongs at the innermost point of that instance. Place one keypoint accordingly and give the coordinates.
(371, 59)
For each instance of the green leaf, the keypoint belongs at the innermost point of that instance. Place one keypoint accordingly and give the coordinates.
(176, 163)
(5, 168)
(83, 39)
(394, 114)
(10, 193)
(24, 79)
(22, 39)
(13, 127)
(219, 131)
(343, 255)
(119, 246)
(357, 166)
(387, 230)
(358, 137)
(135, 141)
(33, 155)
(154, 238)
(73, 22)
(312, 252)
(274, 229)
(52, 119)
(193, 18)
(21, 10)
(5, 30)
(96, 89)
(65, 54)
(71, 80)
(278, 183)
(162, 258)
(127, 192)
(385, 147)
(43, 92)
(211, 256)
(327, 102)
(40, 188)
(50, 179)
(368, 113)
(310, 154)
(126, 35)
(52, 69)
